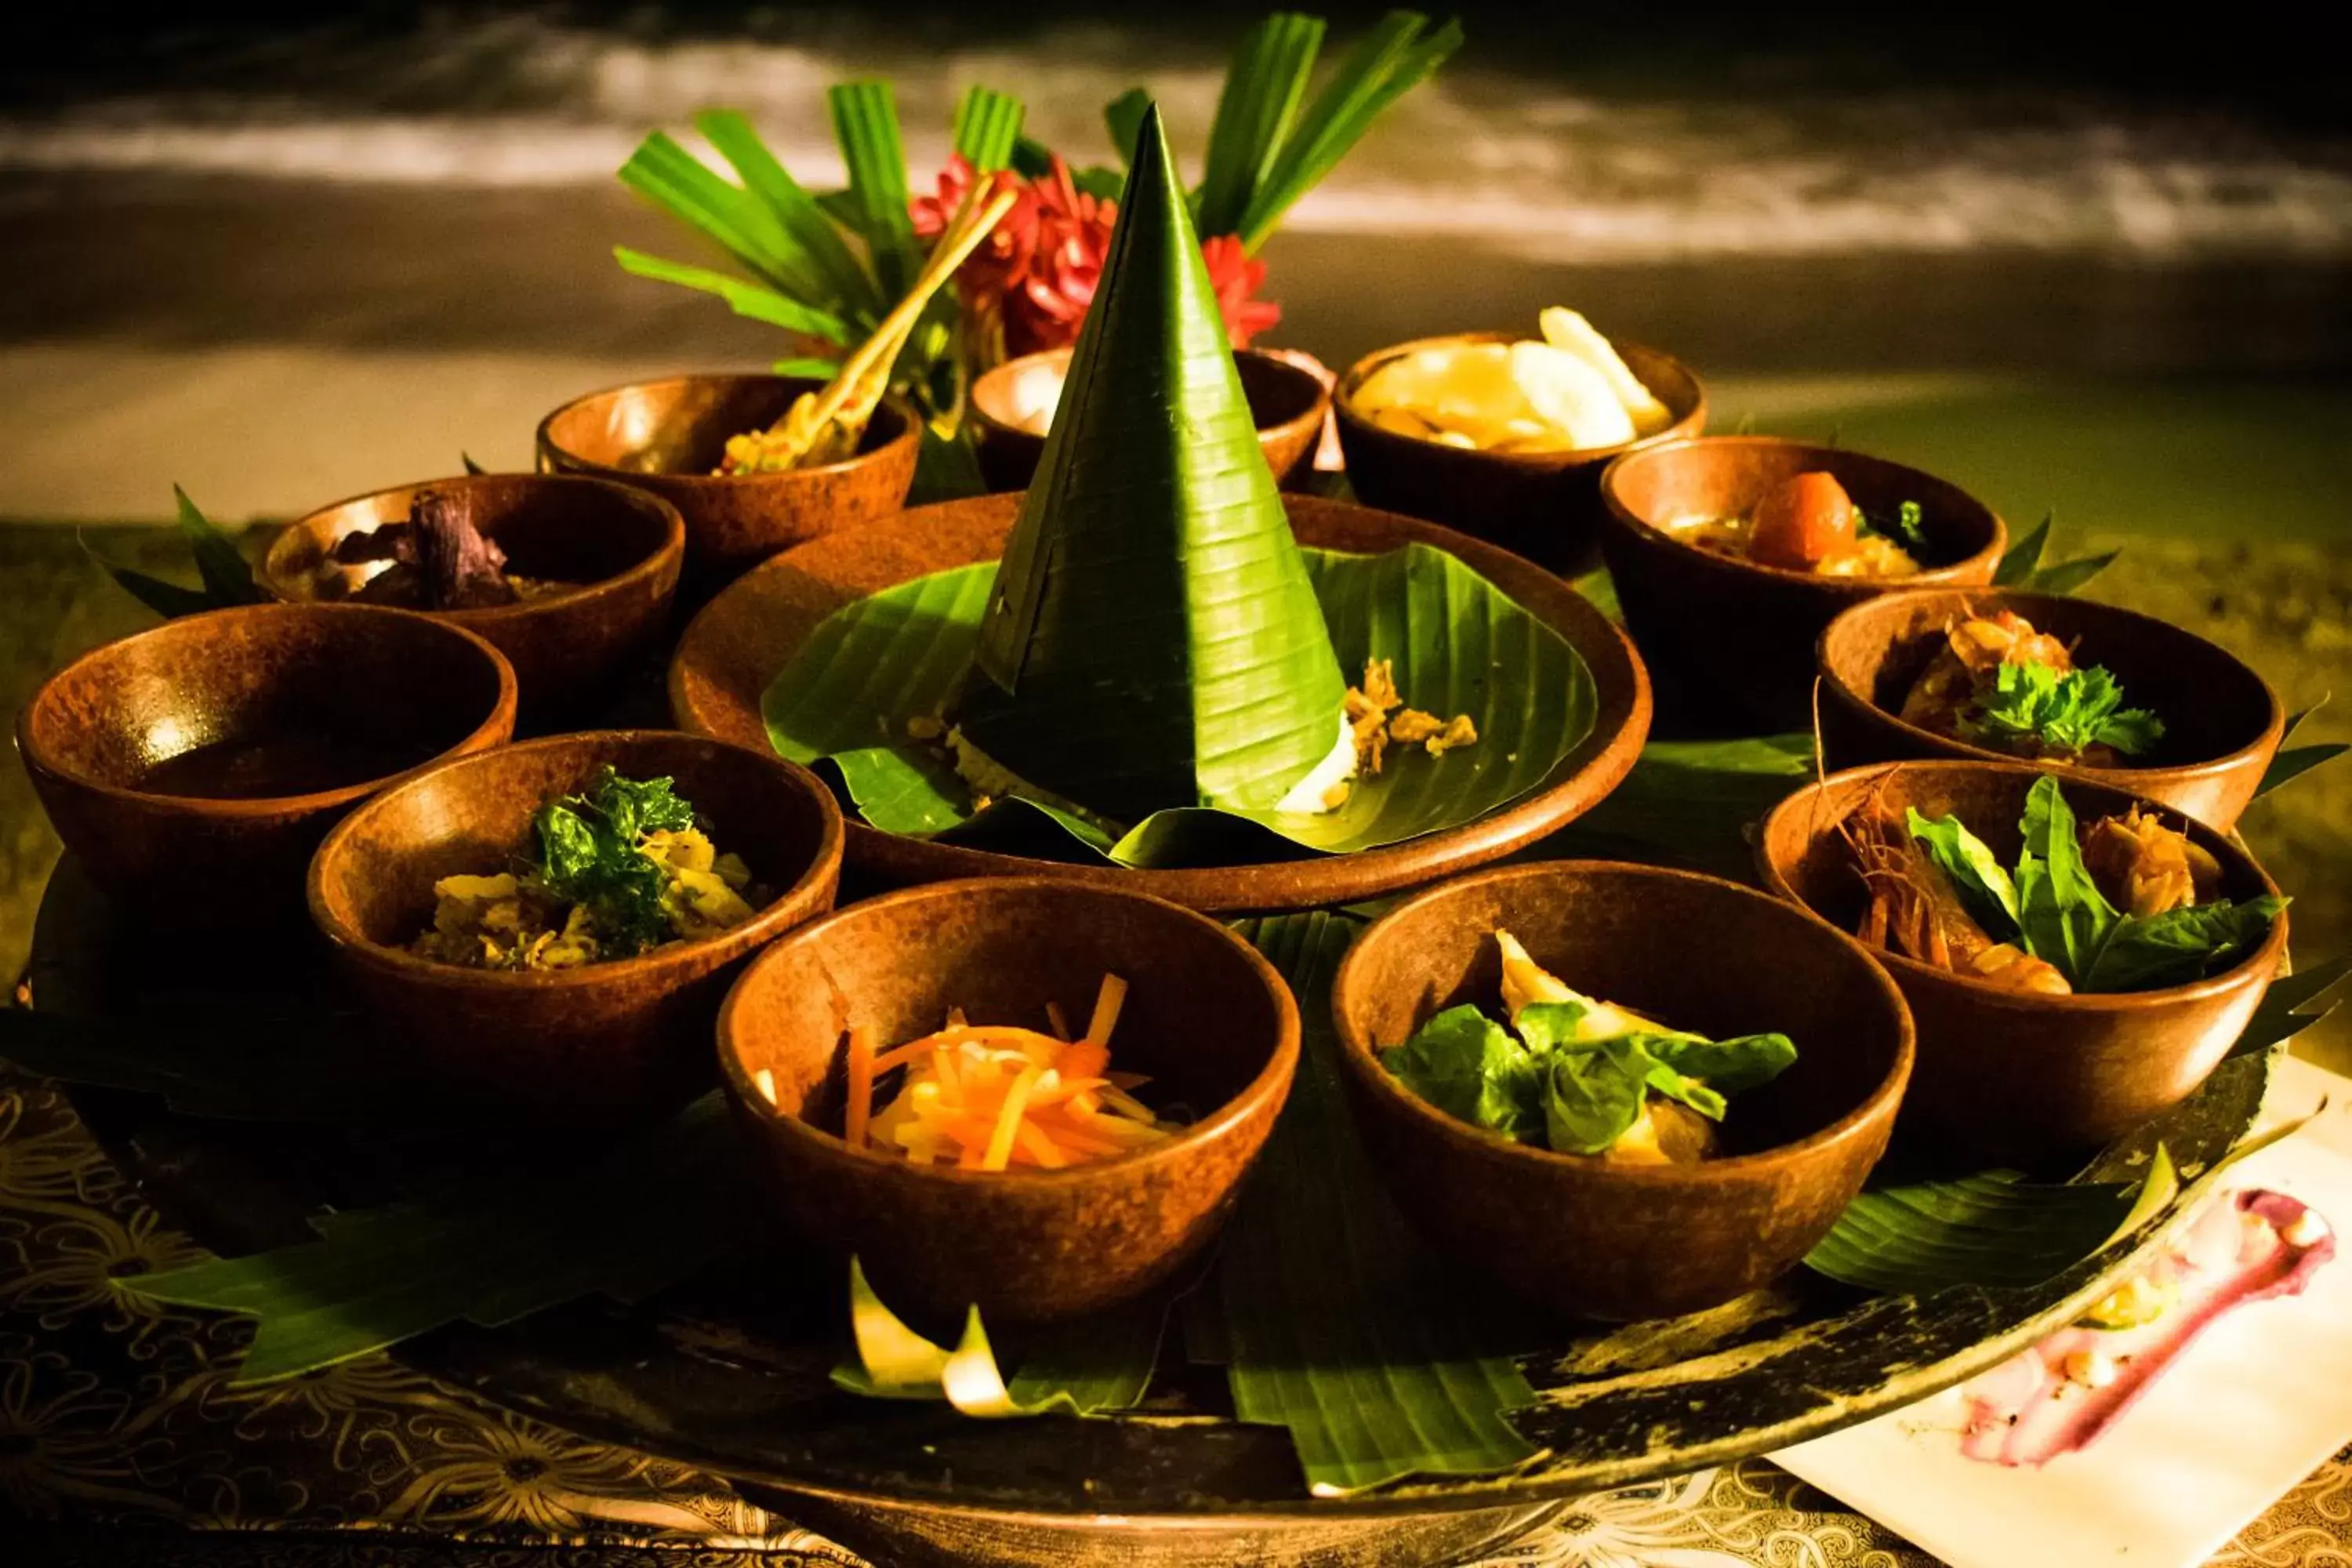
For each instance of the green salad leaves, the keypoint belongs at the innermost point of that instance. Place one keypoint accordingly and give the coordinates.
(2033, 706)
(588, 855)
(1571, 1077)
(2050, 905)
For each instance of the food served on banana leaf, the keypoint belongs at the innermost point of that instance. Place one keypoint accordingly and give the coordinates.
(1580, 1076)
(434, 559)
(994, 1097)
(1152, 673)
(2129, 905)
(1806, 522)
(617, 871)
(1997, 682)
(825, 426)
(1568, 391)
(2060, 1395)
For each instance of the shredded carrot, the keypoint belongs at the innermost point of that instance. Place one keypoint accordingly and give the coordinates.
(989, 1097)
(861, 1088)
(1053, 1019)
(1107, 1002)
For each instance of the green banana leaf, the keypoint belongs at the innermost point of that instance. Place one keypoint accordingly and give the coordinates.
(1336, 1322)
(637, 1218)
(1459, 646)
(1153, 639)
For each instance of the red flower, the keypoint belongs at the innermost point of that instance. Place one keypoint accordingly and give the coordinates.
(1235, 278)
(1036, 274)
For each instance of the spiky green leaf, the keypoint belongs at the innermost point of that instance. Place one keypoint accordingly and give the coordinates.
(1265, 85)
(866, 125)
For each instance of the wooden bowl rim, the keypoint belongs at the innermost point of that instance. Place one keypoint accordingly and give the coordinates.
(1002, 370)
(2257, 967)
(791, 904)
(1971, 570)
(1850, 621)
(1363, 1058)
(487, 735)
(910, 432)
(1592, 768)
(664, 558)
(1270, 1083)
(1684, 426)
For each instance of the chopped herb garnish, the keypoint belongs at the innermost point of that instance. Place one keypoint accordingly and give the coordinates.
(589, 854)
(2064, 714)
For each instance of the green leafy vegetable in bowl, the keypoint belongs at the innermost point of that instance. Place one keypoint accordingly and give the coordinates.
(619, 869)
(2130, 905)
(1579, 1076)
(1997, 682)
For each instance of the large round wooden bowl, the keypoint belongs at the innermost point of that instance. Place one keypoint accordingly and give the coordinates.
(1288, 402)
(2010, 1075)
(668, 436)
(1545, 506)
(739, 642)
(2222, 723)
(1732, 637)
(618, 548)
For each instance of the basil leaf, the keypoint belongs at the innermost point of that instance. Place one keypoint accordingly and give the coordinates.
(1591, 1096)
(1727, 1067)
(1983, 885)
(2180, 945)
(1548, 1027)
(2064, 919)
(1470, 1066)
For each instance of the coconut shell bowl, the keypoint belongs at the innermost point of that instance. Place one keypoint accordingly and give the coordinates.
(1287, 401)
(598, 1045)
(1614, 1241)
(668, 437)
(2005, 1074)
(2222, 723)
(1732, 639)
(1545, 506)
(739, 642)
(1205, 1016)
(609, 553)
(192, 768)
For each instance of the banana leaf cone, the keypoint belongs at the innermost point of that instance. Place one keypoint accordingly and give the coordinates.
(1154, 638)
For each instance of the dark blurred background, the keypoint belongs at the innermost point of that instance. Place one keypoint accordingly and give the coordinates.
(281, 256)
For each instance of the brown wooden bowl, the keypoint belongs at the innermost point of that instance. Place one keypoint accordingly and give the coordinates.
(1545, 506)
(739, 642)
(622, 546)
(2004, 1075)
(1696, 952)
(365, 694)
(1731, 635)
(1206, 1016)
(2222, 723)
(668, 437)
(593, 1047)
(1287, 402)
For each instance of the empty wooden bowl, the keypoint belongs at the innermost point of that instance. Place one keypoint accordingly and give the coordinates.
(2007, 1075)
(668, 436)
(1614, 1241)
(1205, 1016)
(621, 547)
(2222, 723)
(1287, 401)
(1735, 638)
(1545, 506)
(597, 1045)
(192, 768)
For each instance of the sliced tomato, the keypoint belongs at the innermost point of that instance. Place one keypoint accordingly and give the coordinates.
(1801, 522)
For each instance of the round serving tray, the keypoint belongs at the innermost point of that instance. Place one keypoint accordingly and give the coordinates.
(736, 645)
(731, 1372)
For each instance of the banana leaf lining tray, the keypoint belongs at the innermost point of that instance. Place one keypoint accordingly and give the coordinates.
(731, 1372)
